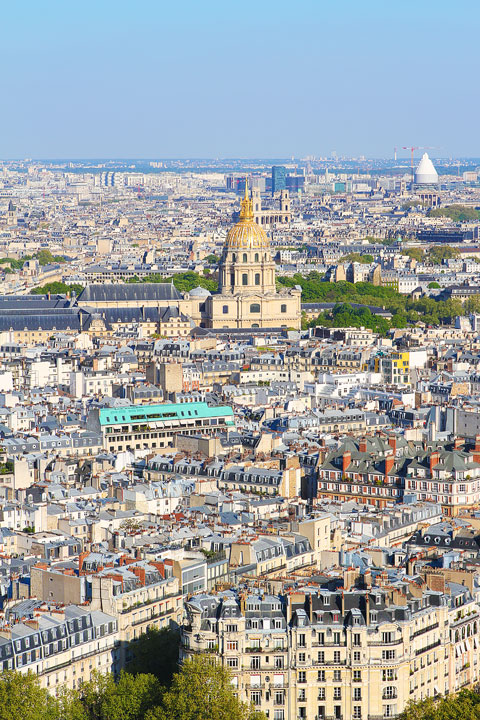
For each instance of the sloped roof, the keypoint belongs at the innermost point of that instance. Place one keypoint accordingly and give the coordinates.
(128, 292)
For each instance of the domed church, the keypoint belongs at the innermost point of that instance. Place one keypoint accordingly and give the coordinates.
(247, 295)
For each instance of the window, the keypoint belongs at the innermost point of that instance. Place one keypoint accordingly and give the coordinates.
(255, 662)
(321, 676)
(387, 637)
(357, 693)
(301, 640)
(337, 693)
(232, 645)
(302, 676)
(257, 278)
(357, 712)
(389, 674)
(301, 657)
(232, 628)
(256, 257)
(256, 697)
(336, 656)
(279, 698)
(232, 662)
(244, 279)
(278, 715)
(278, 662)
(255, 308)
(388, 654)
(245, 259)
(321, 657)
(283, 308)
(357, 676)
(337, 676)
(356, 656)
(356, 639)
(225, 309)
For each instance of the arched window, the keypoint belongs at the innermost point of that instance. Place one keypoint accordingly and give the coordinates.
(256, 257)
(245, 259)
(244, 279)
(234, 257)
(257, 278)
(255, 325)
(254, 308)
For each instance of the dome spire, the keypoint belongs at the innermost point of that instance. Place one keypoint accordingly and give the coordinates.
(246, 208)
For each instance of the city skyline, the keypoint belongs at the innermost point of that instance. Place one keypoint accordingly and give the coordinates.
(220, 81)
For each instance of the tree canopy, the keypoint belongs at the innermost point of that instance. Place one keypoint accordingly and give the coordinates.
(200, 690)
(456, 212)
(463, 706)
(357, 257)
(57, 288)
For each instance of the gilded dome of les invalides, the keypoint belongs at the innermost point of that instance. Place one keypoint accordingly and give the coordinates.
(246, 234)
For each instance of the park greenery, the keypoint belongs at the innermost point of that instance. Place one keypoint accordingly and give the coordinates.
(463, 706)
(457, 213)
(357, 257)
(199, 690)
(434, 255)
(184, 282)
(44, 257)
(57, 288)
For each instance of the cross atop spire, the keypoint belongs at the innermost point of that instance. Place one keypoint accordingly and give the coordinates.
(246, 208)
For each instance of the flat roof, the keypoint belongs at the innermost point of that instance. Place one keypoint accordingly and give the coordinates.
(166, 411)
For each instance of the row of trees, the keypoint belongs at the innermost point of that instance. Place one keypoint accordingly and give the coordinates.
(434, 255)
(44, 257)
(57, 288)
(457, 213)
(200, 690)
(184, 282)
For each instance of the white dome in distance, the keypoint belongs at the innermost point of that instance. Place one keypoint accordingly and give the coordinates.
(425, 174)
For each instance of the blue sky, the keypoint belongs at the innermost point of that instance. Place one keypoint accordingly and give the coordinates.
(256, 78)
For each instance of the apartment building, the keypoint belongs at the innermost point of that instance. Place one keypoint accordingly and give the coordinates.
(155, 426)
(62, 646)
(320, 653)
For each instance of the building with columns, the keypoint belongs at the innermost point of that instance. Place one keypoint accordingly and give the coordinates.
(247, 295)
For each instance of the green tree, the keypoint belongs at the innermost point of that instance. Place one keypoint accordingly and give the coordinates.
(57, 288)
(357, 257)
(22, 698)
(156, 652)
(415, 253)
(202, 691)
(434, 285)
(45, 257)
(438, 254)
(472, 305)
(457, 213)
(212, 259)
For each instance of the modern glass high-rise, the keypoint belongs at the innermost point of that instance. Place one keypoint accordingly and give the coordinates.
(279, 178)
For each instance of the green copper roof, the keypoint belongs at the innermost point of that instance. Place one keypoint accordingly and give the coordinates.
(168, 411)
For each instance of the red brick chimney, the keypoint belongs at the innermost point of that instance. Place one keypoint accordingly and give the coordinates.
(392, 441)
(476, 452)
(458, 443)
(434, 460)
(347, 458)
(362, 445)
(389, 462)
(81, 560)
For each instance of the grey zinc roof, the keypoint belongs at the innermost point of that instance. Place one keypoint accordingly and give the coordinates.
(127, 292)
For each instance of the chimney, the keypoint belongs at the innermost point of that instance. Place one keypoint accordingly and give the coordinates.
(389, 463)
(458, 443)
(367, 578)
(434, 460)
(392, 441)
(362, 445)
(81, 559)
(347, 457)
(476, 452)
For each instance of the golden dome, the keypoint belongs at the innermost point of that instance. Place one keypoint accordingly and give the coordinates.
(246, 233)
